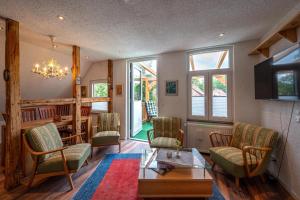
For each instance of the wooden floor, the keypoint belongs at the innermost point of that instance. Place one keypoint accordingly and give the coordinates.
(57, 187)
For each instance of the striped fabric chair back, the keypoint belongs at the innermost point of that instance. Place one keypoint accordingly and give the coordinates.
(109, 122)
(247, 134)
(166, 126)
(44, 138)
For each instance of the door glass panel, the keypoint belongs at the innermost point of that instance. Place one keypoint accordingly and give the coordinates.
(198, 95)
(219, 95)
(137, 85)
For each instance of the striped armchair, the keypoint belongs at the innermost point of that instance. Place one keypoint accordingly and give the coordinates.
(245, 153)
(50, 157)
(108, 130)
(166, 133)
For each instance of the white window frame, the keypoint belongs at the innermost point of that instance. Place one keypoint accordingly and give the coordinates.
(91, 93)
(208, 74)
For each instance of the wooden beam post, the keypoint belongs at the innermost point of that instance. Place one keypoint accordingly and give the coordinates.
(265, 52)
(13, 110)
(76, 90)
(110, 84)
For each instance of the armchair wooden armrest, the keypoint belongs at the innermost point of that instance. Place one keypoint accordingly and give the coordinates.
(219, 139)
(150, 135)
(180, 136)
(254, 165)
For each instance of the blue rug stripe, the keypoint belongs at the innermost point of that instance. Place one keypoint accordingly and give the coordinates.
(90, 185)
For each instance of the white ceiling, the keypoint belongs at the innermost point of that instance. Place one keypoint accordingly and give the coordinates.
(131, 28)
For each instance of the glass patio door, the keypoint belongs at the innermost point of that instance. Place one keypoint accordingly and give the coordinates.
(136, 100)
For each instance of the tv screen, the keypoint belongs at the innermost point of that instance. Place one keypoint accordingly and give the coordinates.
(279, 77)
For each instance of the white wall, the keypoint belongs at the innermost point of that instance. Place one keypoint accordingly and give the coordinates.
(245, 106)
(173, 66)
(276, 115)
(96, 71)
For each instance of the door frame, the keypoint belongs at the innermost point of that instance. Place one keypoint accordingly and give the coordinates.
(128, 83)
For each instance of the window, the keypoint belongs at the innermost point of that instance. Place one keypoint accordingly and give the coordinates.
(210, 82)
(99, 88)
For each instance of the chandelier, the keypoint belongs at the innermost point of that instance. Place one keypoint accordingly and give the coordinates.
(50, 68)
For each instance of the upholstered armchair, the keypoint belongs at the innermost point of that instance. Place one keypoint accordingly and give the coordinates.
(166, 133)
(245, 153)
(108, 131)
(50, 157)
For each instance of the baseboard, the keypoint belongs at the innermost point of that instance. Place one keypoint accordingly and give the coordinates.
(293, 194)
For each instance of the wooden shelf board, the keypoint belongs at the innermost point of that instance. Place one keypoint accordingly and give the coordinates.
(272, 39)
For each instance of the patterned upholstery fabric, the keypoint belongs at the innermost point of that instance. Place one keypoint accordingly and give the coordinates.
(166, 126)
(108, 122)
(151, 109)
(251, 135)
(230, 157)
(44, 138)
(164, 142)
(75, 156)
(105, 137)
(108, 130)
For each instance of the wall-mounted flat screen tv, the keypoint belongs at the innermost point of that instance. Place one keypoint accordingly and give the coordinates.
(279, 76)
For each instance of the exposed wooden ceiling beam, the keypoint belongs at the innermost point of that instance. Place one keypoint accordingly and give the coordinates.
(221, 60)
(151, 71)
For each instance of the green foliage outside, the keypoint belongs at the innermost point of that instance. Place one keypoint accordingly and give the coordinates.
(286, 85)
(100, 90)
(199, 83)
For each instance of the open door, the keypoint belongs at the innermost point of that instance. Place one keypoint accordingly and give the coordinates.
(136, 100)
(143, 97)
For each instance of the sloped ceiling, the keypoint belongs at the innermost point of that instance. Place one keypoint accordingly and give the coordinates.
(117, 29)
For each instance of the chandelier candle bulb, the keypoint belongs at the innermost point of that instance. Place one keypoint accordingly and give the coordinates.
(50, 69)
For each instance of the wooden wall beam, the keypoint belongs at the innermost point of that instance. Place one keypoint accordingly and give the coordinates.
(95, 99)
(13, 110)
(290, 34)
(110, 84)
(47, 102)
(76, 90)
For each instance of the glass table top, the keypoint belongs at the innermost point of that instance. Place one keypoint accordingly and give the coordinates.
(189, 158)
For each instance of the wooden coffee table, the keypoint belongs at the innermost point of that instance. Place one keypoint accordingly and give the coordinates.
(192, 181)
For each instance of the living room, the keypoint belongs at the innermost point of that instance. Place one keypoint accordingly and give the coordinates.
(104, 84)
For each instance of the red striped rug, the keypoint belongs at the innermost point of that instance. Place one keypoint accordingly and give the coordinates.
(120, 181)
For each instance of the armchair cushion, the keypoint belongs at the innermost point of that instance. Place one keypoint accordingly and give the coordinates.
(75, 157)
(164, 142)
(105, 138)
(44, 138)
(230, 159)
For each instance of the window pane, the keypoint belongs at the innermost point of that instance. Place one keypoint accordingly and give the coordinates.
(209, 60)
(99, 106)
(100, 90)
(198, 95)
(219, 95)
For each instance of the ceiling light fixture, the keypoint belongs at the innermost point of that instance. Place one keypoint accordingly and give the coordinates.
(1, 28)
(60, 17)
(50, 68)
(221, 34)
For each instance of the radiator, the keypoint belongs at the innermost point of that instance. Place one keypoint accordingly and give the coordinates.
(198, 134)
